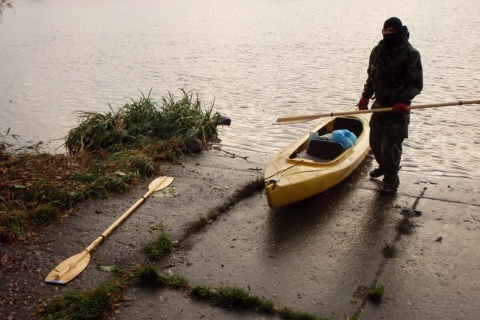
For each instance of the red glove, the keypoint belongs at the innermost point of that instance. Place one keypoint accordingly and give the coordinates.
(400, 107)
(363, 104)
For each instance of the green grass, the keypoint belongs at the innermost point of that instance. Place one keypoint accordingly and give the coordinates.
(232, 298)
(149, 275)
(355, 316)
(99, 303)
(376, 294)
(236, 298)
(297, 315)
(159, 247)
(108, 153)
(44, 214)
(143, 120)
(92, 304)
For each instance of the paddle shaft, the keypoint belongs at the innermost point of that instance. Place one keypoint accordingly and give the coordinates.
(297, 119)
(100, 238)
(97, 241)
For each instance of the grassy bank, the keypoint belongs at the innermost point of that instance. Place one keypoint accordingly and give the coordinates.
(106, 153)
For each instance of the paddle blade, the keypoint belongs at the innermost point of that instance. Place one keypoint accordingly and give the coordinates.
(160, 183)
(68, 269)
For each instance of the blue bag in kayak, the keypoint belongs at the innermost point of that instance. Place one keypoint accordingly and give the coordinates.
(345, 137)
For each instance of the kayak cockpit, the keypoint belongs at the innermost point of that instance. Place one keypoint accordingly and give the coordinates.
(321, 149)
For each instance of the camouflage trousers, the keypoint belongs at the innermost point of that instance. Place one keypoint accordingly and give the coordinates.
(387, 132)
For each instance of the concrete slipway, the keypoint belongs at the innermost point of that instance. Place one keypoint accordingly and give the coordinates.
(317, 256)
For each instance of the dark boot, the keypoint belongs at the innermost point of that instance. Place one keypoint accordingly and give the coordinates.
(376, 173)
(386, 190)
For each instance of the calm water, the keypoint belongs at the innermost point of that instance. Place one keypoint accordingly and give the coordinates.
(258, 60)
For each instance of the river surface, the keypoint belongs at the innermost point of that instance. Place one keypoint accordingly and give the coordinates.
(255, 60)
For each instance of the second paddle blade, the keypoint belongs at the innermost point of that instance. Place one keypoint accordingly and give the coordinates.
(158, 184)
(66, 271)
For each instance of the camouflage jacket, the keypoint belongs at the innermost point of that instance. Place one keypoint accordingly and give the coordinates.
(394, 75)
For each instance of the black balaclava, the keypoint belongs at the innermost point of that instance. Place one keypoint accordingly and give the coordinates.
(392, 38)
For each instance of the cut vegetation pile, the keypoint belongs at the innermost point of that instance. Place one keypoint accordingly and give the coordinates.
(107, 153)
(141, 123)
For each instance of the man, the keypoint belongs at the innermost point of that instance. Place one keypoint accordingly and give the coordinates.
(395, 77)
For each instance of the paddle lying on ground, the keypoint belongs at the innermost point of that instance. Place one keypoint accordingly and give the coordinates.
(73, 266)
(297, 119)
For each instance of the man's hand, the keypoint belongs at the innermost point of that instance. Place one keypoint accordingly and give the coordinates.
(400, 107)
(363, 104)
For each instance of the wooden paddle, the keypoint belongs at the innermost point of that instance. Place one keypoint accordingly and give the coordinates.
(73, 266)
(298, 119)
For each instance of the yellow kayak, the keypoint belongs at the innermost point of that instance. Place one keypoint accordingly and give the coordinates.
(311, 164)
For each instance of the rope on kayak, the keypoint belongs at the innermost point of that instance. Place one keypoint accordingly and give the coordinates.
(277, 180)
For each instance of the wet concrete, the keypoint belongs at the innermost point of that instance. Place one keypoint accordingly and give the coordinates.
(317, 255)
(314, 256)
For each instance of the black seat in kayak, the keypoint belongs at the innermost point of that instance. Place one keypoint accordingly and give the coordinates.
(355, 126)
(323, 149)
